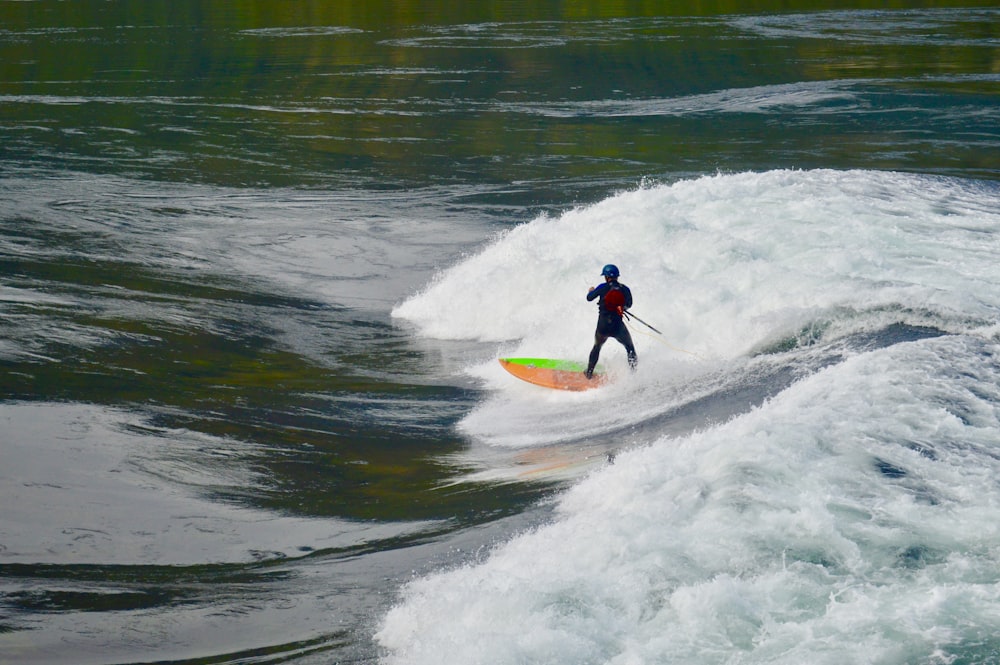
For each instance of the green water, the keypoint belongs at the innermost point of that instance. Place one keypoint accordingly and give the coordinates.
(209, 209)
(403, 94)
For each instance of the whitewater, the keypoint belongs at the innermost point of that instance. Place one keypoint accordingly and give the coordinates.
(804, 468)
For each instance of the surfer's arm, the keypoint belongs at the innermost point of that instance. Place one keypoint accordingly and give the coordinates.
(595, 292)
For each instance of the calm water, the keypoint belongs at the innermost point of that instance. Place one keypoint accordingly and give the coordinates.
(257, 262)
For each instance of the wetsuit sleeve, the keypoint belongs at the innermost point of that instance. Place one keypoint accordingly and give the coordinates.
(628, 296)
(597, 292)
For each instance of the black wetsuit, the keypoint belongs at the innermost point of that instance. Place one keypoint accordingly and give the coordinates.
(615, 298)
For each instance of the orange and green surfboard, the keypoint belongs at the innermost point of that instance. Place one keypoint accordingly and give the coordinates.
(553, 373)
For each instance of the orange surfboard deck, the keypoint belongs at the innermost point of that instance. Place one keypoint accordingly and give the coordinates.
(552, 373)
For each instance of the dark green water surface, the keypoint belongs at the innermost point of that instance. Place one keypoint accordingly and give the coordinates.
(406, 94)
(216, 445)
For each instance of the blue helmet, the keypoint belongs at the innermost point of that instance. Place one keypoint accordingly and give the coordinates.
(610, 270)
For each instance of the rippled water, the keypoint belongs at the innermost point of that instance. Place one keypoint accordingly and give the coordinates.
(257, 263)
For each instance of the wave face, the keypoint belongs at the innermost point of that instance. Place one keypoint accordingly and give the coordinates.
(806, 461)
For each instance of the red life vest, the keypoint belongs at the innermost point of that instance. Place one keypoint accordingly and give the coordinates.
(614, 300)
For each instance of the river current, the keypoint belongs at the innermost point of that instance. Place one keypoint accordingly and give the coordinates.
(257, 263)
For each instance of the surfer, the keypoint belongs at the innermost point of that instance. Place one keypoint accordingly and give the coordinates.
(614, 299)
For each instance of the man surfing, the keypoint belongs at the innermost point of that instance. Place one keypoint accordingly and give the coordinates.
(614, 299)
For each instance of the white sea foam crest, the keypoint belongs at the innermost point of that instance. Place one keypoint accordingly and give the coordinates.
(724, 264)
(851, 519)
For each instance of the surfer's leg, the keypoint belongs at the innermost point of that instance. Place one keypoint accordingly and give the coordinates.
(625, 338)
(595, 353)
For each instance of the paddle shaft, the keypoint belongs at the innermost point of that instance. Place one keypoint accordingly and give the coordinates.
(633, 316)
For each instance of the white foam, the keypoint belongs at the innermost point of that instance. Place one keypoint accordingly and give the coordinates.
(851, 519)
(724, 266)
(721, 263)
